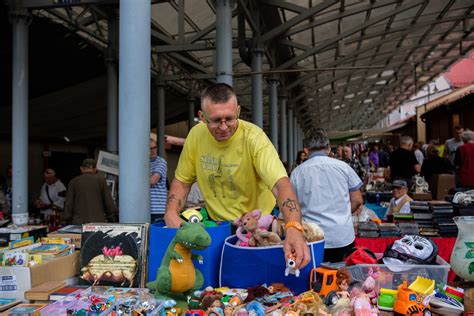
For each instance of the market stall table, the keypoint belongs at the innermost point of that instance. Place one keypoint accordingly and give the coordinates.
(378, 245)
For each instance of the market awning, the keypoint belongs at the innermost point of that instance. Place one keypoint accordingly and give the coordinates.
(449, 98)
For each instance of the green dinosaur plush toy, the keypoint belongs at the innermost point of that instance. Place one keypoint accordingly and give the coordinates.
(177, 274)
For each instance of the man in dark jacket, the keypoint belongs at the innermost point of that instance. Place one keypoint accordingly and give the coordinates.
(403, 163)
(88, 198)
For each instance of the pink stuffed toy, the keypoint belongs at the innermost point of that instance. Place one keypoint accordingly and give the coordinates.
(264, 222)
(369, 286)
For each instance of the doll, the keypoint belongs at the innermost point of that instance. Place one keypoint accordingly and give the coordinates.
(343, 279)
(369, 286)
(216, 308)
(360, 302)
(228, 310)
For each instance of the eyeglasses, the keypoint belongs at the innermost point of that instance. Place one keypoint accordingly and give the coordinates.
(228, 121)
(153, 148)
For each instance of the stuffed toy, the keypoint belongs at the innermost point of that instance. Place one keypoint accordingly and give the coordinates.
(177, 274)
(260, 237)
(264, 222)
(312, 232)
(369, 286)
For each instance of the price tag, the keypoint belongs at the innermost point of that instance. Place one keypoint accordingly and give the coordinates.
(8, 283)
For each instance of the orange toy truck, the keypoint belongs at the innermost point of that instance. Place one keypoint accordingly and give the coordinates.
(409, 302)
(323, 281)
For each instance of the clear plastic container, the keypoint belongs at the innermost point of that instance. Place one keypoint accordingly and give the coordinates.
(392, 276)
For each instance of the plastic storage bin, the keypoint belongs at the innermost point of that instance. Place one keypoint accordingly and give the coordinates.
(393, 275)
(243, 267)
(161, 236)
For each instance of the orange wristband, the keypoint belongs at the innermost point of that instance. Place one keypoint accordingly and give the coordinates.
(294, 224)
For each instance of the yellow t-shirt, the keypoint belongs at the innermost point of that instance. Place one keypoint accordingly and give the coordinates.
(235, 176)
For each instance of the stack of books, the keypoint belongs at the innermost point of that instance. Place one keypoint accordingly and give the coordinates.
(443, 218)
(422, 214)
(407, 228)
(368, 229)
(389, 230)
(51, 251)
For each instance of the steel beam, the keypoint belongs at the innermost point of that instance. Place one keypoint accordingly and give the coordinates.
(134, 114)
(272, 34)
(349, 32)
(112, 88)
(273, 83)
(283, 130)
(20, 21)
(291, 154)
(257, 88)
(224, 41)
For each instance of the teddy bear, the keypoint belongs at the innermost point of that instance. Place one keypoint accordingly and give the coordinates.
(260, 237)
(264, 222)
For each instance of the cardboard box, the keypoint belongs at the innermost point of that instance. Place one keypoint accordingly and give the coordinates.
(76, 238)
(14, 281)
(441, 184)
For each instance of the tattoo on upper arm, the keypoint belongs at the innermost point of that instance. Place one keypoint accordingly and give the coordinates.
(172, 199)
(291, 204)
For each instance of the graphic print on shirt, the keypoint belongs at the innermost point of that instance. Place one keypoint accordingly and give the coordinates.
(220, 178)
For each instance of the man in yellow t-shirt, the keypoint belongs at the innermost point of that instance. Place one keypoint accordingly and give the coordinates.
(237, 169)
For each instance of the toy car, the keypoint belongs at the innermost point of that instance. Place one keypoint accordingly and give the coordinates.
(408, 302)
(323, 282)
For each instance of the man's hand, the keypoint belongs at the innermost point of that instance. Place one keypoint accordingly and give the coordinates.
(176, 202)
(295, 246)
(172, 221)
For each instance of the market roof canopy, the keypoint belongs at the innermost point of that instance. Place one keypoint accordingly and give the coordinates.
(343, 64)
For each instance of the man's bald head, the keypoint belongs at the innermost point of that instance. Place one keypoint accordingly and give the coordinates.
(347, 152)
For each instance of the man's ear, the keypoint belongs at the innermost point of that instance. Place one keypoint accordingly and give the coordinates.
(201, 116)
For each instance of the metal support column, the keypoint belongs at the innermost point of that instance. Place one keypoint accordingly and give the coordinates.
(190, 112)
(20, 21)
(224, 40)
(291, 155)
(283, 130)
(112, 87)
(134, 114)
(160, 129)
(295, 135)
(274, 111)
(302, 137)
(257, 88)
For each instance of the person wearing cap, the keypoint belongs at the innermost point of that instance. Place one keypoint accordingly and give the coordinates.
(400, 203)
(52, 193)
(329, 193)
(237, 169)
(88, 199)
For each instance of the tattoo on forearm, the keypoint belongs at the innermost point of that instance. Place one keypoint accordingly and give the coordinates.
(172, 199)
(291, 204)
